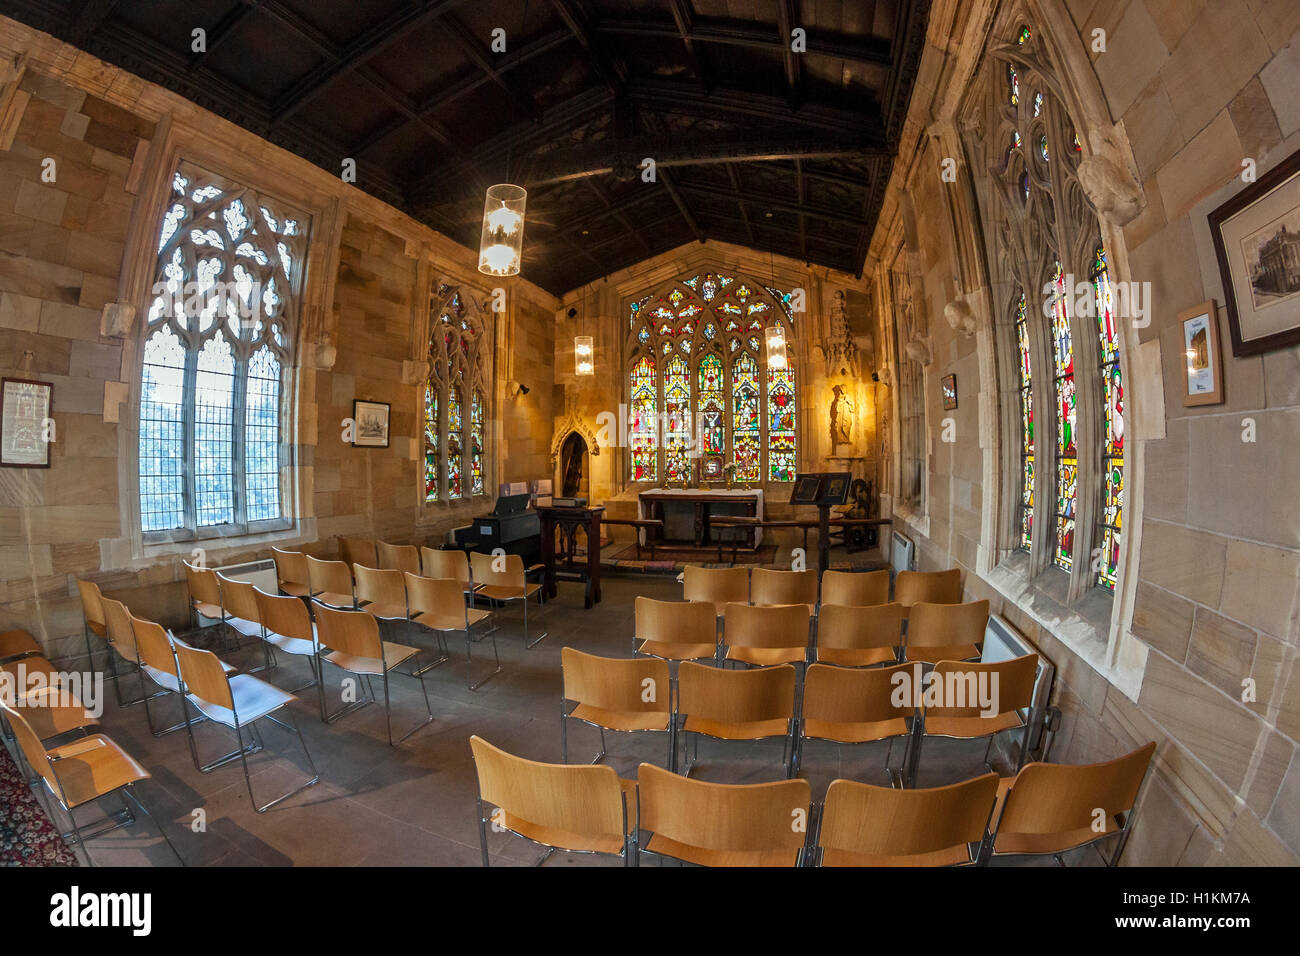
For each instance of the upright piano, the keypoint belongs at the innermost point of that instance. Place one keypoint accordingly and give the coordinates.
(511, 526)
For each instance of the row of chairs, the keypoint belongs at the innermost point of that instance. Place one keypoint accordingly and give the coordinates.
(742, 585)
(1045, 809)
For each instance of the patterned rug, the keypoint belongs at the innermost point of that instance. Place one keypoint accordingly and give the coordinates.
(27, 837)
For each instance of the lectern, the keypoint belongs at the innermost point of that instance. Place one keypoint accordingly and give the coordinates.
(558, 560)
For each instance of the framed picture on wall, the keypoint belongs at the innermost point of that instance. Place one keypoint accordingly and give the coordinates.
(371, 424)
(26, 431)
(1256, 237)
(1202, 365)
(949, 385)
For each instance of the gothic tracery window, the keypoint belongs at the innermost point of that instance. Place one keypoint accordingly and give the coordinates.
(454, 404)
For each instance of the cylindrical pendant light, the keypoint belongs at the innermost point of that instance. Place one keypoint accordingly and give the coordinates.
(502, 242)
(776, 357)
(584, 355)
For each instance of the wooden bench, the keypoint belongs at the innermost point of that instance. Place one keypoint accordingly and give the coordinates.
(649, 524)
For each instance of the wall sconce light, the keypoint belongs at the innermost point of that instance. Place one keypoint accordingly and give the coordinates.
(502, 241)
(776, 354)
(584, 355)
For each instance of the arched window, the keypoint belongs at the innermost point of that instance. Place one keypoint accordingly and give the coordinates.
(223, 310)
(454, 431)
(701, 397)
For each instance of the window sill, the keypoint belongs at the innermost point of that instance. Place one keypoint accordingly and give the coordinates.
(217, 547)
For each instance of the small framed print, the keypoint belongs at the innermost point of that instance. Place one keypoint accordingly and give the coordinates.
(949, 386)
(835, 489)
(26, 428)
(371, 424)
(806, 490)
(1202, 366)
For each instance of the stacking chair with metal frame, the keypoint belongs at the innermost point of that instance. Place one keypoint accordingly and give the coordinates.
(720, 824)
(401, 557)
(354, 645)
(205, 598)
(1053, 808)
(505, 586)
(946, 632)
(629, 696)
(121, 644)
(856, 706)
(859, 636)
(359, 551)
(855, 588)
(92, 611)
(291, 572)
(381, 592)
(765, 634)
(676, 630)
(242, 615)
(330, 583)
(440, 563)
(718, 586)
(439, 605)
(158, 663)
(577, 809)
(81, 772)
(236, 702)
(768, 586)
(17, 644)
(862, 825)
(51, 708)
(928, 587)
(287, 626)
(725, 704)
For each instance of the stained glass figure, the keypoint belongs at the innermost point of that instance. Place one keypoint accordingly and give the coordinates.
(1067, 454)
(476, 444)
(1026, 425)
(712, 417)
(781, 464)
(431, 450)
(744, 414)
(643, 421)
(455, 457)
(1112, 456)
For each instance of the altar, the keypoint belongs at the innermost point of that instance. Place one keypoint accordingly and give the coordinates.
(686, 514)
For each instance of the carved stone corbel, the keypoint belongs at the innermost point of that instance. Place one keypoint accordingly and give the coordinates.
(1109, 179)
(116, 319)
(961, 319)
(918, 349)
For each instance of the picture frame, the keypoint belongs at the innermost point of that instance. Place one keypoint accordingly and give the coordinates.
(25, 407)
(1203, 365)
(1256, 237)
(806, 490)
(835, 488)
(948, 385)
(372, 423)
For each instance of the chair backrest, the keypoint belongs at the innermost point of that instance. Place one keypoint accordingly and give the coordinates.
(30, 743)
(884, 822)
(283, 614)
(359, 551)
(290, 567)
(676, 622)
(859, 695)
(766, 625)
(203, 675)
(332, 576)
(445, 596)
(401, 557)
(355, 633)
(947, 625)
(582, 801)
(975, 690)
(843, 627)
(930, 587)
(238, 599)
(445, 564)
(1050, 798)
(380, 585)
(92, 607)
(512, 576)
(735, 696)
(153, 645)
(782, 587)
(723, 817)
(117, 623)
(719, 586)
(855, 588)
(203, 583)
(636, 685)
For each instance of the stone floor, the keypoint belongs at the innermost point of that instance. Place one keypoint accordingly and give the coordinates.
(414, 804)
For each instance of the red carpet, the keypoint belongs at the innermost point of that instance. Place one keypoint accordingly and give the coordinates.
(27, 837)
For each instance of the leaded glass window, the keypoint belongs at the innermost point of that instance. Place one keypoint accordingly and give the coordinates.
(1112, 455)
(1026, 424)
(455, 404)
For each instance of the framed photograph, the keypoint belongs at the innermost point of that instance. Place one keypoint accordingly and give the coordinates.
(949, 385)
(1202, 368)
(805, 490)
(25, 438)
(372, 424)
(835, 489)
(1256, 237)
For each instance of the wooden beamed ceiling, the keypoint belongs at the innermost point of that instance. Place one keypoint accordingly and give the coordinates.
(754, 142)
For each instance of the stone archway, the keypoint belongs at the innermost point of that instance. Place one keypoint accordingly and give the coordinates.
(575, 476)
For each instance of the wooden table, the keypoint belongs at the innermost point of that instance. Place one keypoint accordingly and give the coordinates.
(705, 505)
(558, 564)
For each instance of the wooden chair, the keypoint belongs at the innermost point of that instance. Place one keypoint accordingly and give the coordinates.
(862, 825)
(439, 604)
(719, 586)
(330, 583)
(381, 592)
(92, 612)
(676, 630)
(291, 572)
(577, 809)
(1053, 808)
(928, 587)
(236, 702)
(855, 706)
(766, 634)
(946, 632)
(354, 644)
(361, 551)
(736, 705)
(446, 564)
(855, 588)
(718, 824)
(52, 710)
(859, 636)
(16, 644)
(205, 595)
(399, 557)
(287, 627)
(243, 615)
(506, 585)
(82, 772)
(630, 696)
(158, 663)
(978, 700)
(121, 644)
(767, 586)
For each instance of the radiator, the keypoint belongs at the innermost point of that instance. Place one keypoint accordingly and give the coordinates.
(260, 574)
(1002, 642)
(902, 553)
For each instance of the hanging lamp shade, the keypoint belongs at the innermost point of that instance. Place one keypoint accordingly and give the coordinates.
(502, 242)
(584, 355)
(776, 355)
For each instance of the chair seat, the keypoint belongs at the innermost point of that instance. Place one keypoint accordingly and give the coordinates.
(292, 645)
(245, 627)
(385, 612)
(394, 654)
(767, 656)
(334, 599)
(500, 592)
(17, 643)
(856, 656)
(703, 857)
(208, 610)
(678, 652)
(451, 620)
(295, 590)
(253, 699)
(125, 650)
(1007, 843)
(93, 766)
(933, 655)
(855, 732)
(29, 665)
(967, 727)
(51, 721)
(621, 719)
(952, 856)
(746, 730)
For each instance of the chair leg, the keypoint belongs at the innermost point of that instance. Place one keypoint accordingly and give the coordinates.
(249, 781)
(389, 713)
(540, 637)
(482, 832)
(475, 685)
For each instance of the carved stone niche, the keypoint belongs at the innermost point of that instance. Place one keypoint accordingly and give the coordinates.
(1109, 180)
(960, 316)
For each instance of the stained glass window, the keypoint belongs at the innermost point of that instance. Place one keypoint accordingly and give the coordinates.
(455, 453)
(744, 412)
(455, 427)
(1026, 424)
(781, 464)
(712, 422)
(644, 421)
(677, 407)
(476, 444)
(432, 452)
(1112, 455)
(1067, 454)
(1013, 85)
(223, 309)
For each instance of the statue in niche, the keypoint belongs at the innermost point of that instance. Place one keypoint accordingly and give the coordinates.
(841, 418)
